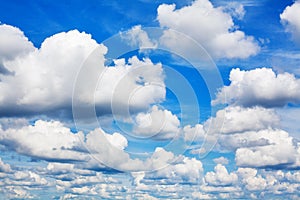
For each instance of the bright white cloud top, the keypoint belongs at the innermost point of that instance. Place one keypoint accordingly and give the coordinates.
(291, 19)
(209, 26)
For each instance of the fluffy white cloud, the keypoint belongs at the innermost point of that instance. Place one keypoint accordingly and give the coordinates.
(251, 180)
(265, 148)
(157, 124)
(260, 86)
(291, 19)
(51, 71)
(237, 119)
(139, 38)
(52, 141)
(196, 133)
(231, 120)
(13, 43)
(132, 85)
(235, 9)
(46, 140)
(209, 26)
(173, 169)
(221, 177)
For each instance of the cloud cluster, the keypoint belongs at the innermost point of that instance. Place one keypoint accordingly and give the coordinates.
(210, 26)
(45, 140)
(262, 87)
(250, 128)
(290, 17)
(220, 177)
(52, 141)
(157, 124)
(39, 75)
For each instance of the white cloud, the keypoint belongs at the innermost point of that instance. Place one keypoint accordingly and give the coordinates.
(235, 9)
(199, 195)
(251, 180)
(47, 72)
(221, 177)
(157, 124)
(136, 84)
(52, 141)
(59, 168)
(290, 17)
(265, 148)
(209, 26)
(51, 71)
(196, 133)
(231, 120)
(139, 38)
(237, 119)
(46, 140)
(13, 43)
(294, 177)
(117, 140)
(260, 86)
(172, 169)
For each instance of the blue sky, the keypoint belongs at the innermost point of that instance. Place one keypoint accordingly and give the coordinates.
(150, 99)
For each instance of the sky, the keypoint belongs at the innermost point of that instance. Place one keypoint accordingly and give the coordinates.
(150, 99)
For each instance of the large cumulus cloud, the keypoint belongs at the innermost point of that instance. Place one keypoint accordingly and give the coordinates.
(260, 86)
(210, 26)
(42, 79)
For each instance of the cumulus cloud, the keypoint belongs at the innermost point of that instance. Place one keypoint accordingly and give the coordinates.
(13, 43)
(237, 119)
(173, 169)
(46, 140)
(51, 71)
(251, 180)
(157, 124)
(235, 9)
(266, 148)
(210, 26)
(195, 133)
(133, 85)
(290, 17)
(231, 120)
(139, 38)
(261, 86)
(221, 177)
(96, 150)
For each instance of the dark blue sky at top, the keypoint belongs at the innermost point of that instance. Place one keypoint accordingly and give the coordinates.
(43, 18)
